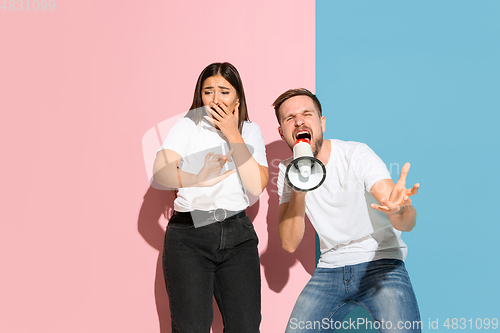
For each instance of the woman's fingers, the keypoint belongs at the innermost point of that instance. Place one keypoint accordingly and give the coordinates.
(222, 159)
(219, 108)
(228, 155)
(207, 157)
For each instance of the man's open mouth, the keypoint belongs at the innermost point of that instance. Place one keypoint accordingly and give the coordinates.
(303, 134)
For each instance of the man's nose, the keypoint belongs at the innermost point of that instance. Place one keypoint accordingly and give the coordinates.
(299, 120)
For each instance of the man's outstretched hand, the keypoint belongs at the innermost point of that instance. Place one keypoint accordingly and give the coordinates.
(400, 195)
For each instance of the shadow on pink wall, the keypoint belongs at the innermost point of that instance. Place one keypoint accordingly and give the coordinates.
(276, 263)
(157, 202)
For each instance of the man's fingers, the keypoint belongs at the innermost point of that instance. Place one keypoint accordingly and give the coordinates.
(379, 208)
(405, 168)
(404, 173)
(406, 201)
(414, 189)
(384, 205)
(388, 204)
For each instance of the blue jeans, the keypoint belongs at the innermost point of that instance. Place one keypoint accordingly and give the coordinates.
(220, 259)
(381, 287)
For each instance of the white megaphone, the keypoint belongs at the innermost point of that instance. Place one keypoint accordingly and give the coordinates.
(305, 172)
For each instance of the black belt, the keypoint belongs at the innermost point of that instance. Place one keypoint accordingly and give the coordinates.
(209, 216)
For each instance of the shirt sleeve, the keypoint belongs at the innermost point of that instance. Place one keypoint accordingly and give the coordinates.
(255, 142)
(178, 137)
(368, 166)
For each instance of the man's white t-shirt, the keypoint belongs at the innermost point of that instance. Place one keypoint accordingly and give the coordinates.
(193, 142)
(350, 231)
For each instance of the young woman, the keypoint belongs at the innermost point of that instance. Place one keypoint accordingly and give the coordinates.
(213, 156)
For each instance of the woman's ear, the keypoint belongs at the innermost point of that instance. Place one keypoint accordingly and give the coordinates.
(237, 105)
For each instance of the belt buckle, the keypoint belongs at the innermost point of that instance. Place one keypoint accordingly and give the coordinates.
(217, 214)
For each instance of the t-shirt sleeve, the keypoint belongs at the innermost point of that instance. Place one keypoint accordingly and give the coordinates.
(178, 137)
(255, 142)
(284, 190)
(368, 166)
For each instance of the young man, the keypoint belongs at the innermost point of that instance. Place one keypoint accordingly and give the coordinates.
(358, 213)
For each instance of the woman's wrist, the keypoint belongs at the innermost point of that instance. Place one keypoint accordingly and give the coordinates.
(234, 137)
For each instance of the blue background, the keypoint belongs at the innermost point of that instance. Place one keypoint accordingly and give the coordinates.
(419, 81)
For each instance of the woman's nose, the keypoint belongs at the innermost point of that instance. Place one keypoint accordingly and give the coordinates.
(216, 98)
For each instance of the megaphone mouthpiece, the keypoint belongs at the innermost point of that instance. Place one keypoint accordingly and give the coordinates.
(302, 147)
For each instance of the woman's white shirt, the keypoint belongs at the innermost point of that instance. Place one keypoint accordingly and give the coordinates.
(193, 142)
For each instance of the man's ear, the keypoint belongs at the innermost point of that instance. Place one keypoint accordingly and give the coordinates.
(280, 131)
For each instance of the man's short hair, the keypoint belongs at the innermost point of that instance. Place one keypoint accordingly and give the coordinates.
(292, 93)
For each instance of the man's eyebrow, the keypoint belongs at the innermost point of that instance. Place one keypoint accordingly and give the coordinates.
(293, 113)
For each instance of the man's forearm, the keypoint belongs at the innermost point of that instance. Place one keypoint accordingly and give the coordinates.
(291, 226)
(405, 219)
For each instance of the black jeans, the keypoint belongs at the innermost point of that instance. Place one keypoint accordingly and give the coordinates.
(221, 260)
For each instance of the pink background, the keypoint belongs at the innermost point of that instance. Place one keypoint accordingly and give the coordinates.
(80, 87)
